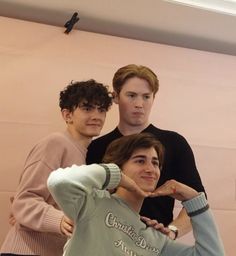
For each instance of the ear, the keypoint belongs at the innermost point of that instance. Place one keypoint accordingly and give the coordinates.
(66, 114)
(115, 97)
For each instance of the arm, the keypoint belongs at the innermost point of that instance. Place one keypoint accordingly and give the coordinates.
(71, 186)
(185, 169)
(183, 224)
(207, 239)
(32, 206)
(185, 172)
(62, 224)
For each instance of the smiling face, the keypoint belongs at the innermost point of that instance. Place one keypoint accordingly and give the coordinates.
(86, 121)
(135, 101)
(143, 168)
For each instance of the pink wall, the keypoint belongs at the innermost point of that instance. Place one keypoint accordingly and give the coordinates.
(196, 98)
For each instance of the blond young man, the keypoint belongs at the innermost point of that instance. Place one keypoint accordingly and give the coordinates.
(135, 87)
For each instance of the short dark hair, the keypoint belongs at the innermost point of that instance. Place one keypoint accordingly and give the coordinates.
(132, 70)
(89, 92)
(120, 150)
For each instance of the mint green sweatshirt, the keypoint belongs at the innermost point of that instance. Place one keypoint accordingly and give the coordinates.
(106, 226)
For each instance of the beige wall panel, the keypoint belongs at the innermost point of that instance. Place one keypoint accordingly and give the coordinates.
(204, 111)
(18, 139)
(226, 221)
(217, 168)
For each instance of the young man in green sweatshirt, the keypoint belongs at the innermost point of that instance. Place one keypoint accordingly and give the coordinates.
(109, 224)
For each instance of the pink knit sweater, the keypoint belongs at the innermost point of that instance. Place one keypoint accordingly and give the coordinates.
(37, 230)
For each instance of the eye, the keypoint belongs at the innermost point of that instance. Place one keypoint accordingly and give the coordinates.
(102, 110)
(131, 95)
(146, 97)
(155, 163)
(140, 161)
(86, 108)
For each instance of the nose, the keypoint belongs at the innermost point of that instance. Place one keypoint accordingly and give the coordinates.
(152, 169)
(139, 102)
(149, 167)
(97, 114)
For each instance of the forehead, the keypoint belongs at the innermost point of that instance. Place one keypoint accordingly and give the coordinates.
(146, 152)
(136, 84)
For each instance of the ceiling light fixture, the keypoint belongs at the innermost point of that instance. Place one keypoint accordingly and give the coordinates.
(221, 6)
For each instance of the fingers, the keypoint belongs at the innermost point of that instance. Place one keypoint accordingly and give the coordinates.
(156, 225)
(167, 189)
(143, 218)
(67, 226)
(129, 184)
(176, 190)
(173, 189)
(12, 220)
(68, 221)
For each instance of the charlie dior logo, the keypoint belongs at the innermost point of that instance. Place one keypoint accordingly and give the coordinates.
(112, 221)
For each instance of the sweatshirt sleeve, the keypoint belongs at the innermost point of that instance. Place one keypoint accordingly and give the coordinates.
(207, 238)
(71, 186)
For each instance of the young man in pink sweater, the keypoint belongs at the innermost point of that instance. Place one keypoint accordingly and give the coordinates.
(40, 226)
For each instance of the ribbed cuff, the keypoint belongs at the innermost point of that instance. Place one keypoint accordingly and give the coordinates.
(197, 205)
(52, 221)
(113, 176)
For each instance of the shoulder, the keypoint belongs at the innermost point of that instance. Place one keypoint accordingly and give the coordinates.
(97, 147)
(48, 149)
(166, 136)
(104, 140)
(53, 143)
(53, 140)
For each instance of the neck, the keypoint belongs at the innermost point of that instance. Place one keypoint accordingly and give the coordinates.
(133, 200)
(83, 140)
(127, 129)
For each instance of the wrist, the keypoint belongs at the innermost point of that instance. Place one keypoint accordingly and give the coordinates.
(174, 232)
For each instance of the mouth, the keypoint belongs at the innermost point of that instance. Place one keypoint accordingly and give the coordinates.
(138, 113)
(148, 178)
(95, 125)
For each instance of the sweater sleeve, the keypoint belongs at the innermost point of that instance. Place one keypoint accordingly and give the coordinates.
(183, 165)
(71, 186)
(207, 238)
(33, 207)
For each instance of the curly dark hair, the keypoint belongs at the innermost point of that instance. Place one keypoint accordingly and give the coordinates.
(120, 150)
(89, 92)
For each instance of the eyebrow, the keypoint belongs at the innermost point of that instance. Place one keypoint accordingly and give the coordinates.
(91, 105)
(146, 93)
(143, 156)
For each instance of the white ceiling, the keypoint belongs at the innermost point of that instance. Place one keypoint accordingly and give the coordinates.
(150, 20)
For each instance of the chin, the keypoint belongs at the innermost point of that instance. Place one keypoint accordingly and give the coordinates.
(94, 133)
(148, 188)
(136, 123)
(91, 135)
